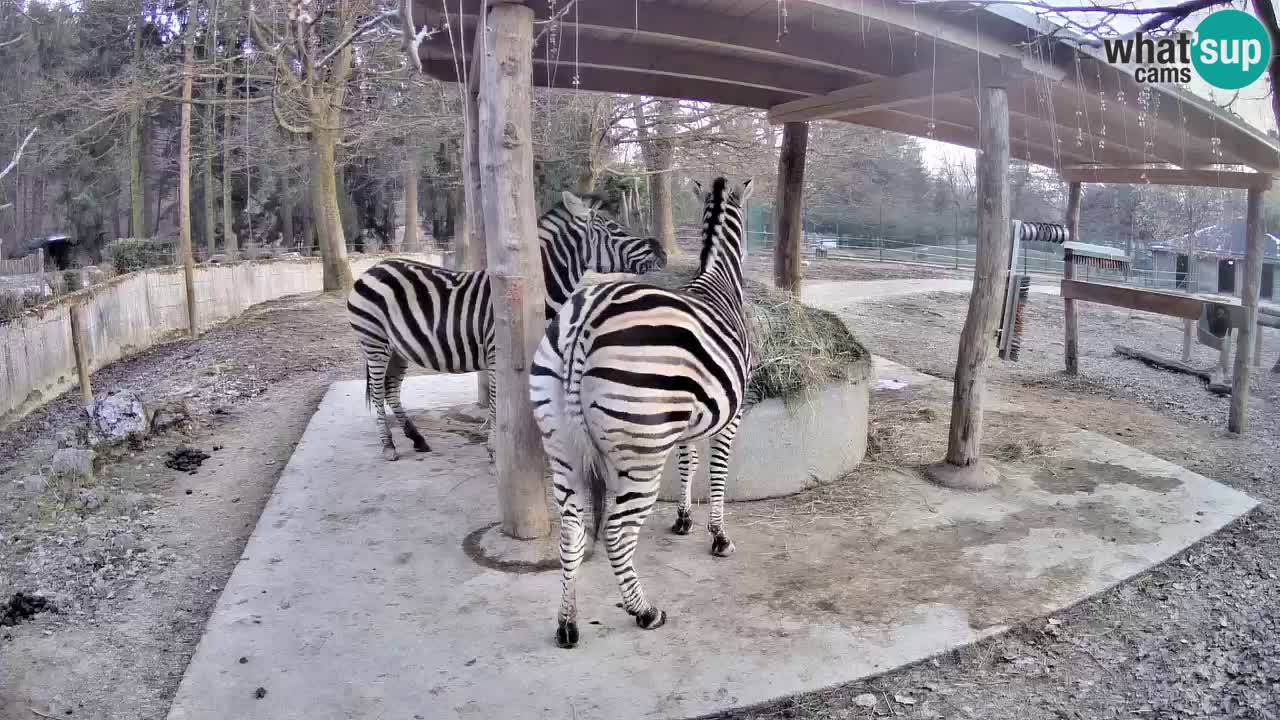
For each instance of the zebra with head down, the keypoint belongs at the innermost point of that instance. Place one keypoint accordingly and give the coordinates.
(404, 311)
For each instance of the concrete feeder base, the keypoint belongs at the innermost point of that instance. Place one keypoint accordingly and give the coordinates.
(785, 448)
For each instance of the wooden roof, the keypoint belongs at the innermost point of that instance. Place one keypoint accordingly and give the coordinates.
(878, 63)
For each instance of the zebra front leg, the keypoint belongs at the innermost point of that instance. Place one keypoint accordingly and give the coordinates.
(491, 420)
(721, 448)
(622, 535)
(573, 545)
(376, 361)
(395, 378)
(688, 465)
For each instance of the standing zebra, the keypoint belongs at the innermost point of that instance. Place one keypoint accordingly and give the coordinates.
(405, 311)
(626, 373)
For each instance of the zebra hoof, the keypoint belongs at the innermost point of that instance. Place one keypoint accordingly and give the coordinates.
(567, 635)
(722, 546)
(683, 524)
(421, 445)
(389, 453)
(652, 620)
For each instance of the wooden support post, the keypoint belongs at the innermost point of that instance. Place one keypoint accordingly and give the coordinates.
(472, 255)
(1072, 344)
(1237, 420)
(786, 251)
(515, 264)
(1257, 345)
(81, 352)
(962, 467)
(184, 188)
(1188, 331)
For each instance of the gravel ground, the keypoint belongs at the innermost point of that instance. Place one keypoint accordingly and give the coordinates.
(1193, 638)
(136, 569)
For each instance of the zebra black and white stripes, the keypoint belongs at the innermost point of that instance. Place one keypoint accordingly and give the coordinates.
(626, 373)
(403, 311)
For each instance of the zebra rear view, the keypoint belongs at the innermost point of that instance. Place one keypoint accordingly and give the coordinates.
(406, 311)
(628, 372)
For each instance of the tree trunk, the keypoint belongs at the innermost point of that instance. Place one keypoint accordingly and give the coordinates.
(137, 196)
(210, 211)
(1237, 419)
(230, 244)
(515, 265)
(786, 257)
(286, 215)
(409, 241)
(308, 223)
(184, 187)
(964, 439)
(659, 152)
(328, 216)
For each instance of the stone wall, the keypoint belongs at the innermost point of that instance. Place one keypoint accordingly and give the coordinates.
(131, 313)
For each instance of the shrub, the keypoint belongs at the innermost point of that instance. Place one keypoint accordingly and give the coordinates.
(14, 302)
(130, 254)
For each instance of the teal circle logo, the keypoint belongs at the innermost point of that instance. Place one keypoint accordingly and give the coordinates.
(1232, 49)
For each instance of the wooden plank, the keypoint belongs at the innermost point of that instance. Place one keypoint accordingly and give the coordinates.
(1183, 306)
(964, 439)
(894, 91)
(791, 160)
(1167, 176)
(515, 266)
(1237, 419)
(1163, 363)
(1072, 343)
(81, 352)
(1188, 329)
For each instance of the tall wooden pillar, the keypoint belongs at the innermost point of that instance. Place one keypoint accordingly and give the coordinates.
(790, 203)
(515, 267)
(472, 255)
(962, 467)
(1072, 340)
(1237, 421)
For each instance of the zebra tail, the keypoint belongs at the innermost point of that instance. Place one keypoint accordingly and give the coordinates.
(368, 386)
(582, 447)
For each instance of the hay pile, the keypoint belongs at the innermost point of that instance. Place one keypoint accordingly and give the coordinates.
(796, 346)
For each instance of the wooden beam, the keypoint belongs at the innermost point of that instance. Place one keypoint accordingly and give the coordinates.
(1072, 344)
(1162, 303)
(1163, 363)
(1167, 176)
(1237, 419)
(964, 439)
(515, 265)
(791, 160)
(894, 91)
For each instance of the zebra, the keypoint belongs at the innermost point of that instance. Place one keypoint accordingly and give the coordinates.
(626, 373)
(406, 311)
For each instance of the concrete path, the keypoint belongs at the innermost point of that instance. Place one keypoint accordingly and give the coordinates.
(356, 599)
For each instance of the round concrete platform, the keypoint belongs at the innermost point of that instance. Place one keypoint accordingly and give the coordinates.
(783, 448)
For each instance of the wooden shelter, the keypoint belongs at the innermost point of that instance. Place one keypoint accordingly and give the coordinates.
(992, 79)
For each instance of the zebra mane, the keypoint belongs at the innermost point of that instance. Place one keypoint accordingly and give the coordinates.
(711, 219)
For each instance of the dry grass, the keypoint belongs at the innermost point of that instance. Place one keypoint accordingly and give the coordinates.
(796, 346)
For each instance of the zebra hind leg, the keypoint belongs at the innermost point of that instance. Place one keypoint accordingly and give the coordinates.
(688, 465)
(632, 504)
(573, 545)
(721, 447)
(376, 360)
(396, 367)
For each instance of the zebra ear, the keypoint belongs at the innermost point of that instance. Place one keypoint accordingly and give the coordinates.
(697, 191)
(575, 205)
(744, 190)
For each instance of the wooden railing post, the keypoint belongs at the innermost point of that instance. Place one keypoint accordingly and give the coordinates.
(1072, 344)
(1237, 420)
(471, 256)
(515, 263)
(963, 467)
(78, 347)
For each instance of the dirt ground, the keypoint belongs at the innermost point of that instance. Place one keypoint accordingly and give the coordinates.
(136, 565)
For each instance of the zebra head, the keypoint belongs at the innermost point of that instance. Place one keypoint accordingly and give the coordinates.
(722, 221)
(607, 247)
